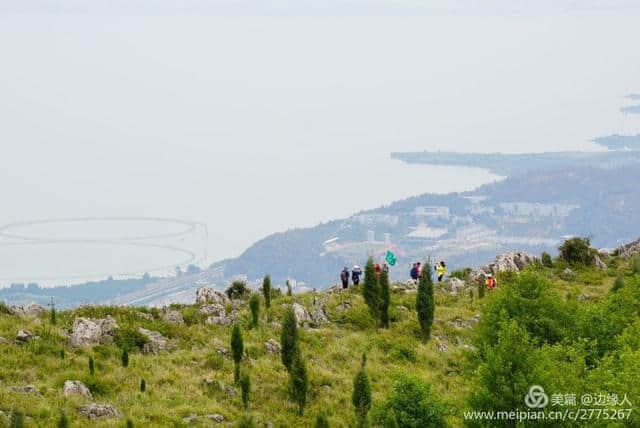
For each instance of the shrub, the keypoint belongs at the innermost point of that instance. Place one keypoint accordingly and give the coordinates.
(62, 355)
(245, 386)
(546, 260)
(237, 290)
(298, 382)
(288, 288)
(52, 314)
(143, 385)
(237, 348)
(411, 404)
(577, 251)
(125, 358)
(385, 298)
(246, 421)
(425, 305)
(462, 274)
(617, 284)
(321, 421)
(635, 265)
(266, 291)
(17, 420)
(91, 366)
(254, 306)
(371, 289)
(4, 309)
(289, 338)
(129, 423)
(361, 396)
(63, 421)
(129, 339)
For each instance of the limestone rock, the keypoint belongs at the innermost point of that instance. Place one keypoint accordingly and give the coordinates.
(24, 336)
(28, 311)
(157, 342)
(173, 316)
(214, 309)
(218, 320)
(75, 387)
(4, 341)
(215, 417)
(190, 418)
(26, 389)
(89, 331)
(319, 316)
(302, 314)
(209, 295)
(599, 263)
(514, 261)
(629, 250)
(144, 316)
(95, 411)
(457, 285)
(344, 306)
(272, 346)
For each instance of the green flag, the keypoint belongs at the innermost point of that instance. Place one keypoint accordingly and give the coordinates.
(391, 258)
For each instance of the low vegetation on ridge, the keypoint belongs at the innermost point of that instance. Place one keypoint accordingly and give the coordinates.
(563, 324)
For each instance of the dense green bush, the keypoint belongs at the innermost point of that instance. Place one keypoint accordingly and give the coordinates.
(412, 404)
(462, 274)
(546, 260)
(577, 251)
(237, 290)
(130, 339)
(321, 421)
(425, 303)
(635, 265)
(617, 284)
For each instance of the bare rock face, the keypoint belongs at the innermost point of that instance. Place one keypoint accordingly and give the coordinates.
(599, 263)
(209, 295)
(272, 346)
(302, 314)
(75, 387)
(320, 317)
(212, 309)
(629, 250)
(157, 342)
(215, 417)
(89, 331)
(457, 285)
(173, 316)
(514, 261)
(95, 411)
(24, 336)
(31, 310)
(218, 320)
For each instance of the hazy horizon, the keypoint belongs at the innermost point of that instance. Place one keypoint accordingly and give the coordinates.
(252, 121)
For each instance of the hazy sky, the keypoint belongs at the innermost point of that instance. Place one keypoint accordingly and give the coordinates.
(254, 119)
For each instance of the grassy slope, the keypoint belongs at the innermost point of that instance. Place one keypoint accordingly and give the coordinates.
(175, 380)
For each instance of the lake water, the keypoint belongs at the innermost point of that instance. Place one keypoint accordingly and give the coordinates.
(253, 125)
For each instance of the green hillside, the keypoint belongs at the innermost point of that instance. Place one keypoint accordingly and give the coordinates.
(570, 328)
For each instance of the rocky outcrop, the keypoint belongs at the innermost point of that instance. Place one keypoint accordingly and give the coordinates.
(344, 306)
(209, 295)
(31, 310)
(218, 320)
(272, 346)
(212, 309)
(457, 285)
(173, 316)
(89, 331)
(75, 387)
(26, 389)
(597, 261)
(156, 341)
(23, 336)
(629, 250)
(301, 313)
(514, 261)
(95, 411)
(319, 316)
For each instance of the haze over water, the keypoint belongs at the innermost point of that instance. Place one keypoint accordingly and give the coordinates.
(254, 122)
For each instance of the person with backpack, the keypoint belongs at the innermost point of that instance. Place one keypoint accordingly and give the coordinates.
(441, 270)
(414, 273)
(377, 267)
(344, 276)
(355, 275)
(490, 283)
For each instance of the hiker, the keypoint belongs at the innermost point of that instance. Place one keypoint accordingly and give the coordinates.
(490, 282)
(385, 268)
(414, 273)
(378, 269)
(441, 269)
(355, 275)
(344, 276)
(419, 266)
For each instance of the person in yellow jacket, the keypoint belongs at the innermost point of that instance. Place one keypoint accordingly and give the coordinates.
(441, 270)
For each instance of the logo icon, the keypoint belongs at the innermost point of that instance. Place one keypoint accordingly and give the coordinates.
(391, 258)
(536, 398)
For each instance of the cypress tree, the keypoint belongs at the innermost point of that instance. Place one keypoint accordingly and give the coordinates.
(62, 355)
(91, 367)
(385, 298)
(266, 291)
(129, 423)
(425, 304)
(143, 385)
(245, 386)
(289, 338)
(481, 287)
(321, 421)
(237, 348)
(254, 306)
(52, 314)
(63, 422)
(125, 358)
(371, 289)
(17, 420)
(298, 382)
(361, 397)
